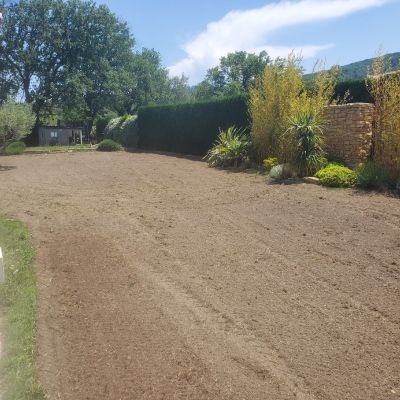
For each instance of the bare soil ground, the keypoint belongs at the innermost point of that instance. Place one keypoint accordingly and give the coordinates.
(163, 279)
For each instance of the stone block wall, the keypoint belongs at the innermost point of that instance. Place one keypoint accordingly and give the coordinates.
(348, 132)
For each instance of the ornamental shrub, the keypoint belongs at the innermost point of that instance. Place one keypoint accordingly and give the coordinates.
(279, 95)
(371, 176)
(15, 148)
(272, 102)
(306, 128)
(101, 123)
(385, 88)
(109, 145)
(230, 149)
(270, 163)
(337, 176)
(123, 130)
(113, 129)
(16, 122)
(130, 131)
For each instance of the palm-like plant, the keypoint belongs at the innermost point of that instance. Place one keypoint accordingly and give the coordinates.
(231, 147)
(307, 130)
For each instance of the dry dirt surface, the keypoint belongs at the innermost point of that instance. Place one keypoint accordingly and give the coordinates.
(163, 279)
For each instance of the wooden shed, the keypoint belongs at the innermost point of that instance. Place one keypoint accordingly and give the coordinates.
(59, 136)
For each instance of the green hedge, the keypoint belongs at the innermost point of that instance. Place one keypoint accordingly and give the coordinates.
(357, 89)
(189, 128)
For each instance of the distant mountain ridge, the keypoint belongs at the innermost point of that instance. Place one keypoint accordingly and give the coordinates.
(361, 69)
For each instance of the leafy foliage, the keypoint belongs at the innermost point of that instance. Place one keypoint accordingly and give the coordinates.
(306, 128)
(109, 145)
(100, 124)
(230, 149)
(123, 130)
(16, 122)
(337, 176)
(279, 95)
(113, 129)
(189, 128)
(72, 65)
(385, 88)
(353, 92)
(151, 83)
(234, 75)
(15, 148)
(130, 131)
(271, 104)
(75, 58)
(371, 176)
(270, 163)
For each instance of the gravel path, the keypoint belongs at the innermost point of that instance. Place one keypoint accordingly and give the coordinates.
(163, 279)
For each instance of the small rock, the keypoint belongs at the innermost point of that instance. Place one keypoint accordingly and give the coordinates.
(312, 180)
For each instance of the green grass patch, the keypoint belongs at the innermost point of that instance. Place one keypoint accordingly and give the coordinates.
(18, 308)
(55, 149)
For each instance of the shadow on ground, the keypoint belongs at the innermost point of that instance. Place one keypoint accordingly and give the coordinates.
(6, 168)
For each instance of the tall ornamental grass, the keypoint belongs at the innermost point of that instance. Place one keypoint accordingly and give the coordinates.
(278, 96)
(385, 89)
(272, 102)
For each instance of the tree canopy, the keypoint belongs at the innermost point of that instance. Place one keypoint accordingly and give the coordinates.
(234, 75)
(77, 59)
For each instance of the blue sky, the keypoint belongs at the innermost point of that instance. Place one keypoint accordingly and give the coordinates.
(192, 35)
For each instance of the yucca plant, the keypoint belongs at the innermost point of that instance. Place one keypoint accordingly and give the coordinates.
(231, 147)
(307, 130)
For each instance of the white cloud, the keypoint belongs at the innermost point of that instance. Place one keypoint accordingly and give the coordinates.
(249, 30)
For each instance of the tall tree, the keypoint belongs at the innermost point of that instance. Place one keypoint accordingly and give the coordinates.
(51, 47)
(148, 82)
(77, 58)
(234, 75)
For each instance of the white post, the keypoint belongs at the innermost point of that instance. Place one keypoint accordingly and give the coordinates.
(2, 274)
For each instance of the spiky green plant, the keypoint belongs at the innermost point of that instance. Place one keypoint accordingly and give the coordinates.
(231, 147)
(307, 131)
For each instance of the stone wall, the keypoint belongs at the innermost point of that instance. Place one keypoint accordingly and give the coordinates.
(348, 132)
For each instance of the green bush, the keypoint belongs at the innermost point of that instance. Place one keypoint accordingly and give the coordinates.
(190, 128)
(109, 145)
(130, 131)
(101, 123)
(123, 130)
(230, 149)
(113, 129)
(306, 128)
(337, 176)
(270, 163)
(371, 176)
(15, 148)
(16, 122)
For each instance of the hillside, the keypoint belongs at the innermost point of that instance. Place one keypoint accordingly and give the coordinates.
(360, 69)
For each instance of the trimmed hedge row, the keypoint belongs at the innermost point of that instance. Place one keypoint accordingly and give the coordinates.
(192, 128)
(358, 91)
(189, 128)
